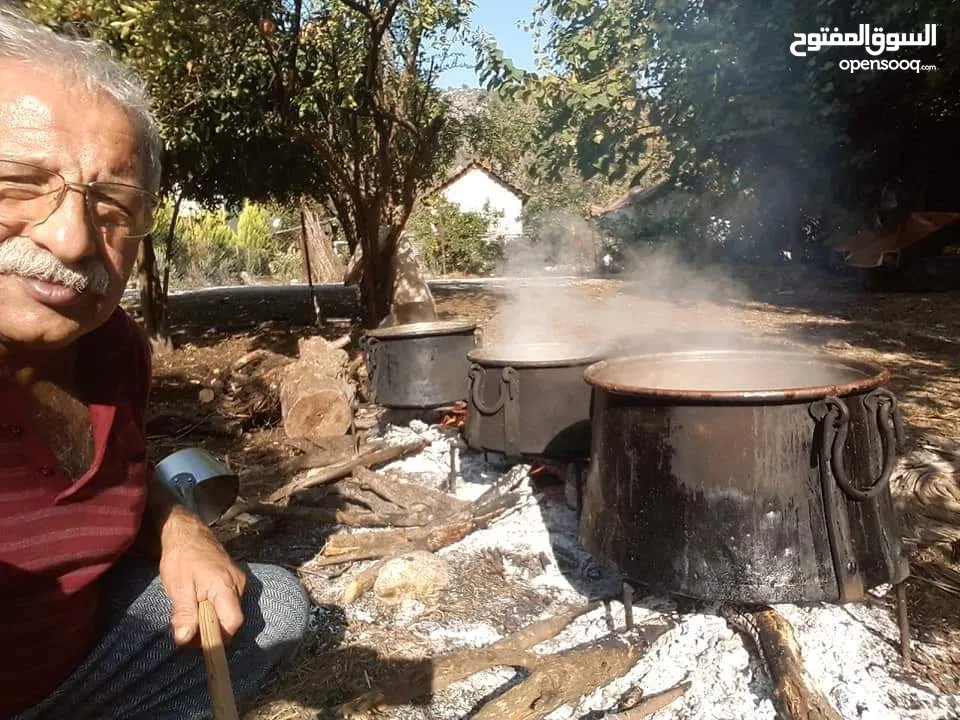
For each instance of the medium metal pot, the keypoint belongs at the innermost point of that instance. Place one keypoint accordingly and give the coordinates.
(529, 400)
(744, 476)
(419, 365)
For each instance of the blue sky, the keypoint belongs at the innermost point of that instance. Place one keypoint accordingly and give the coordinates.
(499, 19)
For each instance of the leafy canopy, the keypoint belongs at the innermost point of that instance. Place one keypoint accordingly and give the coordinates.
(758, 134)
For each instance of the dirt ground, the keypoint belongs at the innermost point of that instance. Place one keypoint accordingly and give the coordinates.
(915, 336)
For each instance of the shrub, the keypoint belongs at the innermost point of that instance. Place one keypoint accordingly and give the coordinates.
(209, 252)
(451, 240)
(254, 240)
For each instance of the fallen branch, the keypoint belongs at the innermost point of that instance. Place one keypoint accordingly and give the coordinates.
(452, 667)
(451, 523)
(354, 547)
(329, 516)
(340, 449)
(652, 704)
(304, 445)
(262, 358)
(772, 636)
(407, 495)
(511, 480)
(344, 468)
(554, 680)
(171, 422)
(275, 504)
(349, 491)
(563, 678)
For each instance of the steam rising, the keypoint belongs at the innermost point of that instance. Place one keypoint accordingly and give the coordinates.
(663, 303)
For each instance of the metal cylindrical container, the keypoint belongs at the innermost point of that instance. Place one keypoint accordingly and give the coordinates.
(200, 482)
(529, 400)
(419, 365)
(747, 476)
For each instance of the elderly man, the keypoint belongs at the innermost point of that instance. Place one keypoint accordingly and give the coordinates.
(90, 626)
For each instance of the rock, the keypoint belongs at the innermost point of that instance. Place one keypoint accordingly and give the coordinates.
(418, 574)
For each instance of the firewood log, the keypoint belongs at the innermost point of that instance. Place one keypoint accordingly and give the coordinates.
(773, 639)
(315, 406)
(316, 397)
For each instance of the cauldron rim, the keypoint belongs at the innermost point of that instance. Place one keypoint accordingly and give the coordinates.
(424, 329)
(495, 355)
(873, 376)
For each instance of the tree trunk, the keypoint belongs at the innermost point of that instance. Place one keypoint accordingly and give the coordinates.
(168, 246)
(153, 301)
(323, 261)
(392, 287)
(376, 283)
(308, 270)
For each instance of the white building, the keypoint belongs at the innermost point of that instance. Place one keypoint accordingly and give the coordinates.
(475, 188)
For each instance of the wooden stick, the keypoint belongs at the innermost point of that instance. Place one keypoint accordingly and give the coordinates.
(652, 704)
(407, 495)
(331, 516)
(774, 640)
(628, 605)
(904, 624)
(354, 547)
(218, 672)
(341, 342)
(342, 469)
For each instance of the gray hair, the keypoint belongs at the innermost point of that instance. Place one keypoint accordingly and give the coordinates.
(92, 64)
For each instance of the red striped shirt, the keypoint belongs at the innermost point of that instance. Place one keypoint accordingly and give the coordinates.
(58, 536)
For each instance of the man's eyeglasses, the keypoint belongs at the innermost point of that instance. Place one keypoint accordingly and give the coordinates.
(31, 194)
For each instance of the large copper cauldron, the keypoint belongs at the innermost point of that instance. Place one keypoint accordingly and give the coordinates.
(745, 476)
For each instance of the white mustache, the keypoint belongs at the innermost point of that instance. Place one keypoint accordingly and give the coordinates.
(20, 256)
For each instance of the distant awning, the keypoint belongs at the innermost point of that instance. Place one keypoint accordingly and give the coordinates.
(871, 249)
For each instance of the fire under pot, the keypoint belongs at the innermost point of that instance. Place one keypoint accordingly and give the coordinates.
(744, 476)
(419, 365)
(529, 400)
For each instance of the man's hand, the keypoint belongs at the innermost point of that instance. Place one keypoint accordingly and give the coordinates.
(194, 567)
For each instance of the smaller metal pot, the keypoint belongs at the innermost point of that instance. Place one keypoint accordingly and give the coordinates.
(419, 365)
(200, 482)
(530, 400)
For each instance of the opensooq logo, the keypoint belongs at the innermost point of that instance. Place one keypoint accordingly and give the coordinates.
(876, 43)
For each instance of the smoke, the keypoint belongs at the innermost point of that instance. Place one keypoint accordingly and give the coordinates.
(661, 302)
(565, 243)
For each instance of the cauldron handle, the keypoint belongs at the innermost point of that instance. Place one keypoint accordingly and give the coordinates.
(883, 405)
(369, 347)
(477, 376)
(511, 412)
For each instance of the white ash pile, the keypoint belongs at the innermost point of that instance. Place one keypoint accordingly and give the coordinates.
(849, 652)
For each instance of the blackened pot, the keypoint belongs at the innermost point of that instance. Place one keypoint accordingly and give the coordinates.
(419, 365)
(744, 476)
(529, 400)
